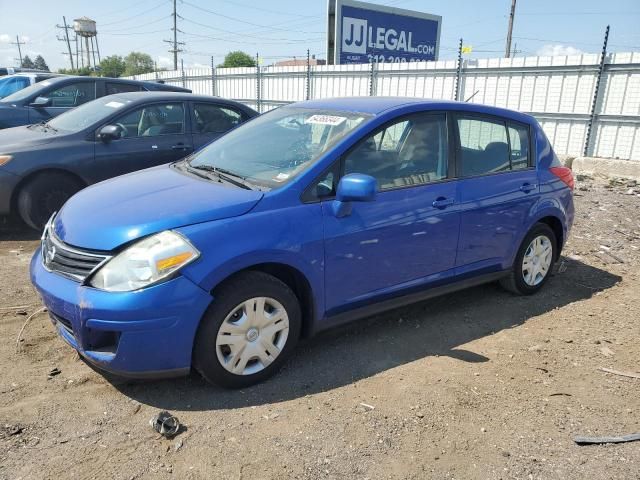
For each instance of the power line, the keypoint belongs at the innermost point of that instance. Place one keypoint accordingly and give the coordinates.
(137, 26)
(244, 21)
(240, 34)
(131, 17)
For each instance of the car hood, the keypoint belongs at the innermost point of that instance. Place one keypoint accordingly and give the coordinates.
(117, 211)
(18, 139)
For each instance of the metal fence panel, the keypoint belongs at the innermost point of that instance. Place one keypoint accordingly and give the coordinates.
(558, 91)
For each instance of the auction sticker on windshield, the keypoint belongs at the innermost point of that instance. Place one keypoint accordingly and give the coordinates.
(325, 119)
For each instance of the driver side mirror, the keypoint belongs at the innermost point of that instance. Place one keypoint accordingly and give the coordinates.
(41, 102)
(109, 132)
(355, 187)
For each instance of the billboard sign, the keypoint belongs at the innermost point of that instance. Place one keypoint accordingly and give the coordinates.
(364, 33)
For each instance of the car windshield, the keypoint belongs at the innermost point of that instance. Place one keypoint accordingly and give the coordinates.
(12, 84)
(85, 115)
(26, 92)
(272, 149)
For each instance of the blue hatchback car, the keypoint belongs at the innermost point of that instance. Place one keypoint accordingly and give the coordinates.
(308, 216)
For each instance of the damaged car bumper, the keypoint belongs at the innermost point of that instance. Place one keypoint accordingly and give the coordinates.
(144, 333)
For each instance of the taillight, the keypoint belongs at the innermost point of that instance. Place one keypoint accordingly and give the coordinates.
(564, 174)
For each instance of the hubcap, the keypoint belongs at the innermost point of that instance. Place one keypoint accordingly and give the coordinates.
(252, 336)
(537, 260)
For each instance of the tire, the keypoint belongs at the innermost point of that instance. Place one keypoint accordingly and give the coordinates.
(527, 281)
(251, 355)
(43, 195)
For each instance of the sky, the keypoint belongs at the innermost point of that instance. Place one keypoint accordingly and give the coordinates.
(280, 29)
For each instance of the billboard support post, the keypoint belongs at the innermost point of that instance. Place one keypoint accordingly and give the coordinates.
(596, 91)
(459, 73)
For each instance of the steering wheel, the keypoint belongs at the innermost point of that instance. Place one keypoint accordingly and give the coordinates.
(124, 132)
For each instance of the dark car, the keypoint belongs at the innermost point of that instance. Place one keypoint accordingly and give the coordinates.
(52, 97)
(42, 165)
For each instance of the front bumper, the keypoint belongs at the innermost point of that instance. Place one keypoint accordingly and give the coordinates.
(8, 183)
(146, 333)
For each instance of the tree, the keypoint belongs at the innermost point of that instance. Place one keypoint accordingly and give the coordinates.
(137, 63)
(113, 66)
(40, 64)
(238, 59)
(82, 71)
(27, 62)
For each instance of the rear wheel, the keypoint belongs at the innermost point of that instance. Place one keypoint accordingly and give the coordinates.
(43, 195)
(534, 261)
(248, 331)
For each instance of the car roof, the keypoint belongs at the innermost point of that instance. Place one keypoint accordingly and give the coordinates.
(380, 105)
(34, 74)
(140, 97)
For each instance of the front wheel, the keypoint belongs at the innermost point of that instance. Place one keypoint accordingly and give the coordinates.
(534, 261)
(248, 331)
(43, 195)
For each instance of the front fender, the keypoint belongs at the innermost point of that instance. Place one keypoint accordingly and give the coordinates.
(292, 238)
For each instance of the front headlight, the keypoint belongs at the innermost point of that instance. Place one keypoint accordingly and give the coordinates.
(145, 262)
(4, 159)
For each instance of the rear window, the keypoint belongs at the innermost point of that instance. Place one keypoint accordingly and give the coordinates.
(489, 145)
(114, 87)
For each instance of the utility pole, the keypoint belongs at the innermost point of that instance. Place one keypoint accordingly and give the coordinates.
(18, 43)
(175, 41)
(66, 34)
(507, 50)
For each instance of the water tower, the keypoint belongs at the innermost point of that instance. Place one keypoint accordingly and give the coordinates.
(85, 28)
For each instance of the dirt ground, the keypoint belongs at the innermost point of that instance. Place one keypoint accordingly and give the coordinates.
(480, 384)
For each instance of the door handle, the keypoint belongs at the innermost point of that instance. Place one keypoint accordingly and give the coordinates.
(180, 146)
(442, 202)
(527, 187)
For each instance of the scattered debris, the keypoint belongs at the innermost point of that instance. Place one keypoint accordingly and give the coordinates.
(12, 430)
(607, 352)
(40, 310)
(367, 406)
(558, 394)
(165, 424)
(596, 440)
(55, 371)
(617, 372)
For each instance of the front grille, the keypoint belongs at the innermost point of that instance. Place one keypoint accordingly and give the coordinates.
(66, 324)
(71, 262)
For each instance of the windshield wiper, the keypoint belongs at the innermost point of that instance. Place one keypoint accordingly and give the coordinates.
(225, 175)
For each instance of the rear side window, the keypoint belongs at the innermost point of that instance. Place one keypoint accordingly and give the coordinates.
(484, 147)
(487, 145)
(72, 95)
(519, 143)
(212, 118)
(112, 87)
